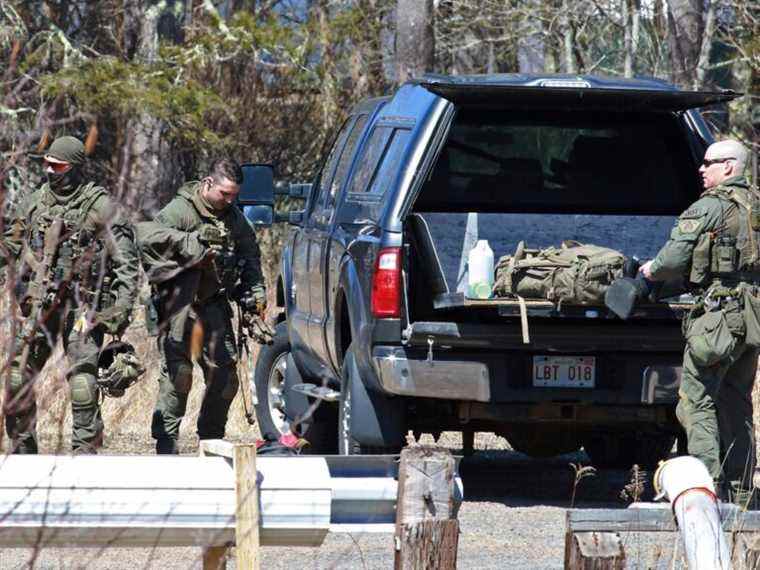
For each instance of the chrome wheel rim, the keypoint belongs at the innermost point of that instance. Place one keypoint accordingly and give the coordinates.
(276, 393)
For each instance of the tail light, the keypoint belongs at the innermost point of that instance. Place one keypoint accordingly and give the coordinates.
(386, 284)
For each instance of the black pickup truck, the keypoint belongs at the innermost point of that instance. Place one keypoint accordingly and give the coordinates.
(376, 335)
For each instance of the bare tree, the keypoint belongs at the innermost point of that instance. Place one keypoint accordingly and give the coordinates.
(415, 46)
(150, 169)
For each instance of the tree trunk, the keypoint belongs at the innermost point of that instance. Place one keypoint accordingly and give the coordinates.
(568, 37)
(706, 48)
(149, 167)
(530, 47)
(685, 28)
(415, 41)
(631, 24)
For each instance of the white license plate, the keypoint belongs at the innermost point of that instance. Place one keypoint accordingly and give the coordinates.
(564, 371)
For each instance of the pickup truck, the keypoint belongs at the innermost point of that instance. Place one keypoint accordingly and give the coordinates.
(376, 336)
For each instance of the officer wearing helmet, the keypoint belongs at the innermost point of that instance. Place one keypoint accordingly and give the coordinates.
(71, 256)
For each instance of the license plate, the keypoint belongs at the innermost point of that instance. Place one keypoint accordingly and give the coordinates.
(564, 371)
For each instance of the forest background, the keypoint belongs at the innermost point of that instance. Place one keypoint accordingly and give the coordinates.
(159, 87)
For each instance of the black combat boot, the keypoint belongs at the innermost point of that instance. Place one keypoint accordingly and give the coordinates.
(166, 446)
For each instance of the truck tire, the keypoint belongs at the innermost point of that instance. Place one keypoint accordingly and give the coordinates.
(371, 415)
(623, 450)
(278, 406)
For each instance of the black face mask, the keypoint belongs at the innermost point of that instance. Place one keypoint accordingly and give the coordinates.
(63, 183)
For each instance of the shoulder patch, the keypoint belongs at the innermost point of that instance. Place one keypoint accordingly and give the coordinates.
(692, 214)
(689, 225)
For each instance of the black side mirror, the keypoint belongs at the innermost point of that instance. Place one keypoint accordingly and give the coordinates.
(256, 197)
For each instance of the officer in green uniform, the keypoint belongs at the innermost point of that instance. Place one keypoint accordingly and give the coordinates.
(74, 264)
(714, 246)
(199, 253)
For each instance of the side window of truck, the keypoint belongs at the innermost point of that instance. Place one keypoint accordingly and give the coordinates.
(335, 170)
(328, 171)
(379, 162)
(345, 162)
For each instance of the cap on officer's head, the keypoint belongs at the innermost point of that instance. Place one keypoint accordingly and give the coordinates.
(66, 149)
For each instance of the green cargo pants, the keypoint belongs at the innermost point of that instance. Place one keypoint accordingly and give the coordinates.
(218, 361)
(715, 403)
(82, 350)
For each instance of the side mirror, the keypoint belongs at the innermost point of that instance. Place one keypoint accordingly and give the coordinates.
(256, 197)
(294, 217)
(298, 190)
(260, 216)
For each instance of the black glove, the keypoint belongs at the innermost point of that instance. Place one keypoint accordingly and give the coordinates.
(258, 329)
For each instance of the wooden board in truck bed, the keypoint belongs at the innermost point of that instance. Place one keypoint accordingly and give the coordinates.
(509, 307)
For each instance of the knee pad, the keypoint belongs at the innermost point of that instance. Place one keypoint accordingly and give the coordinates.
(15, 381)
(181, 374)
(84, 392)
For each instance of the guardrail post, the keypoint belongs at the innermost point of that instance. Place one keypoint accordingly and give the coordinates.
(247, 506)
(593, 551)
(247, 496)
(427, 530)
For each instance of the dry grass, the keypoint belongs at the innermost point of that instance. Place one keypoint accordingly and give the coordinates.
(127, 419)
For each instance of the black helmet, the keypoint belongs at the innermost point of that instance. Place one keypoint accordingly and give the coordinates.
(118, 368)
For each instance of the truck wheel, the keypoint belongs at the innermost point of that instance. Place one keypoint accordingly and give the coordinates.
(351, 384)
(623, 450)
(278, 406)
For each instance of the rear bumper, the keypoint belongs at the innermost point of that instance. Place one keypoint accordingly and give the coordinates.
(505, 377)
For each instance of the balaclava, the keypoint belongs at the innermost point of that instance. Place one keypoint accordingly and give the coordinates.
(71, 150)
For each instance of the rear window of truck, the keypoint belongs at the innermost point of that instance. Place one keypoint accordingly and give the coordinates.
(562, 162)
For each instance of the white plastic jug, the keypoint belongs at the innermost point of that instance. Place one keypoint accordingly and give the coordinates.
(480, 271)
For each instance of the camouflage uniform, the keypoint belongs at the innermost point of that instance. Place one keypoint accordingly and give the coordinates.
(707, 246)
(76, 275)
(192, 289)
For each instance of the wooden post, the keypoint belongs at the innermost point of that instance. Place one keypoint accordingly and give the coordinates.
(593, 551)
(215, 558)
(746, 554)
(247, 496)
(427, 530)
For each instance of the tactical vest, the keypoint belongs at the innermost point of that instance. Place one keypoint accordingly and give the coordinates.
(226, 264)
(732, 252)
(74, 262)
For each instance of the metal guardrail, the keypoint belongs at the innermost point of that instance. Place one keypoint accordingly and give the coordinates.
(189, 501)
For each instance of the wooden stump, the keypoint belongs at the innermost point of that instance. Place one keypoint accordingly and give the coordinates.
(594, 551)
(427, 531)
(215, 558)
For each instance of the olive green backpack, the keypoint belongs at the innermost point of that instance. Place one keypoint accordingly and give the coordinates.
(574, 273)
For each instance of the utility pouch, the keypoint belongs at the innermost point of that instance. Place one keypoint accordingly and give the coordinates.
(152, 319)
(754, 216)
(751, 314)
(700, 260)
(709, 339)
(725, 256)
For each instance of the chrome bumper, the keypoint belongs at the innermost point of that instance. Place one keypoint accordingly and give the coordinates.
(431, 378)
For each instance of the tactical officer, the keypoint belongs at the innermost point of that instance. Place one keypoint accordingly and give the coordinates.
(714, 245)
(75, 273)
(200, 253)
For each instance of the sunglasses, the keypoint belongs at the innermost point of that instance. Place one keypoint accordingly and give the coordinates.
(710, 161)
(57, 167)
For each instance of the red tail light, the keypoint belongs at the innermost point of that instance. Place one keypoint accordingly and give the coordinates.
(386, 284)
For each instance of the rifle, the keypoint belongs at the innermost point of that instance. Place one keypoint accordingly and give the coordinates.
(251, 325)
